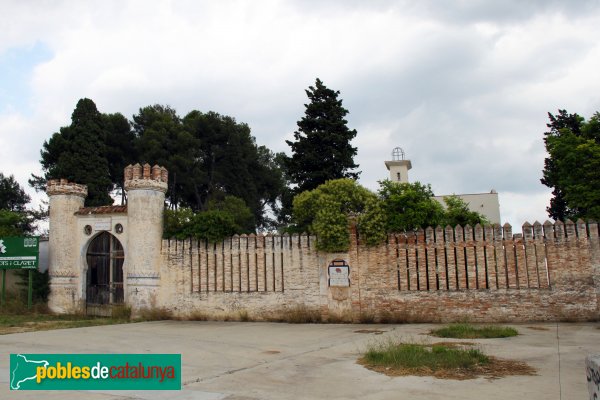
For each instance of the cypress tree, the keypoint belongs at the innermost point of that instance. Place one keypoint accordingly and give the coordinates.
(321, 150)
(77, 153)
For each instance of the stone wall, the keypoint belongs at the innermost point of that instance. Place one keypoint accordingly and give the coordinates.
(549, 272)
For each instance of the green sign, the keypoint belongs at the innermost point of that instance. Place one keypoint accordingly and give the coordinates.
(95, 372)
(19, 252)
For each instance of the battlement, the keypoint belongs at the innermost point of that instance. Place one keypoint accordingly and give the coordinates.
(63, 186)
(146, 177)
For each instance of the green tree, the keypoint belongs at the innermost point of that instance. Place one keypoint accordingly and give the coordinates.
(12, 195)
(321, 149)
(409, 206)
(15, 219)
(572, 168)
(457, 213)
(222, 220)
(236, 207)
(162, 140)
(78, 153)
(14, 223)
(120, 150)
(209, 157)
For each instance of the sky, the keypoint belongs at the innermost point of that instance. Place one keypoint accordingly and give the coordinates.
(464, 87)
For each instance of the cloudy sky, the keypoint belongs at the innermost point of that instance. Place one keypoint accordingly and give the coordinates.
(462, 86)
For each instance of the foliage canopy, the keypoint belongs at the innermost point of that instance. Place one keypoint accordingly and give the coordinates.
(223, 219)
(15, 219)
(572, 166)
(78, 153)
(398, 207)
(209, 157)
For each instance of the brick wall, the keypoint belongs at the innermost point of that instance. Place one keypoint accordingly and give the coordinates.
(258, 274)
(549, 272)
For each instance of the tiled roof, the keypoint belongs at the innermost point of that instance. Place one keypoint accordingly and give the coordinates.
(102, 210)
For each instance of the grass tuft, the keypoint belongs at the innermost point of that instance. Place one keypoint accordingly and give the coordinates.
(467, 331)
(413, 356)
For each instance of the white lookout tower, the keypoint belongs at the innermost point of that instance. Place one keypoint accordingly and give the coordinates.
(398, 167)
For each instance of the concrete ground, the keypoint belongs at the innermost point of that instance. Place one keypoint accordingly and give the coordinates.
(244, 361)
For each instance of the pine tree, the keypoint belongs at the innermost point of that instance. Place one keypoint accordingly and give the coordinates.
(321, 150)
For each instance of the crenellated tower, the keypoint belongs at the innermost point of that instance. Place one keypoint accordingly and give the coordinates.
(65, 199)
(146, 187)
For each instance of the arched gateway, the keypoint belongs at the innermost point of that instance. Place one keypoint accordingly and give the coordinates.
(104, 277)
(107, 255)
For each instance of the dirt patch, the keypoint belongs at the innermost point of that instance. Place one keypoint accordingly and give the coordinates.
(373, 331)
(538, 328)
(495, 369)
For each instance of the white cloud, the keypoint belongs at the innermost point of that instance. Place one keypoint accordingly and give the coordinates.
(463, 87)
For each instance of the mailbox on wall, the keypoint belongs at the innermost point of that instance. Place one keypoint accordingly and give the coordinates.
(339, 273)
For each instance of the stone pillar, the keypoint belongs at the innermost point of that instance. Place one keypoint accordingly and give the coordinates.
(146, 188)
(65, 199)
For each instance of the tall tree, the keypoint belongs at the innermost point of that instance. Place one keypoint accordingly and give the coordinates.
(572, 166)
(209, 156)
(78, 153)
(120, 149)
(161, 140)
(229, 162)
(321, 149)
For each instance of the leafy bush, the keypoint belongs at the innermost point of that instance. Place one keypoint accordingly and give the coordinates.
(325, 211)
(400, 207)
(213, 226)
